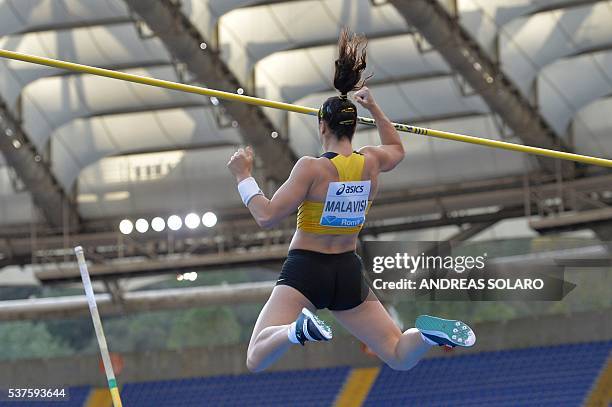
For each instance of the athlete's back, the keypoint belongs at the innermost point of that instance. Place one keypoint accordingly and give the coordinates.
(341, 192)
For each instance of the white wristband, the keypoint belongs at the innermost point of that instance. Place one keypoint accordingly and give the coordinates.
(248, 188)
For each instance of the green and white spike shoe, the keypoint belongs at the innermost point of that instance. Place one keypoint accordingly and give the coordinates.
(446, 332)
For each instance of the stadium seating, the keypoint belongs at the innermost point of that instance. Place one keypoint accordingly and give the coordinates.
(298, 388)
(543, 376)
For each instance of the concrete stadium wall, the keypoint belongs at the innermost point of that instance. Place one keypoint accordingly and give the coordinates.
(157, 365)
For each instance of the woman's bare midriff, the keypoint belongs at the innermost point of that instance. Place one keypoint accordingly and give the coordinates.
(330, 244)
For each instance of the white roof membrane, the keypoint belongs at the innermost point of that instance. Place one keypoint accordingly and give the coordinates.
(102, 134)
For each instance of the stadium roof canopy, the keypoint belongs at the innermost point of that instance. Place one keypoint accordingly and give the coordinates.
(130, 150)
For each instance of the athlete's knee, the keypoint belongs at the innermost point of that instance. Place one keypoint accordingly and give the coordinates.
(252, 363)
(397, 363)
(402, 365)
(253, 366)
(395, 356)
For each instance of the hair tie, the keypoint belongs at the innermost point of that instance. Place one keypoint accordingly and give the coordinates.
(343, 96)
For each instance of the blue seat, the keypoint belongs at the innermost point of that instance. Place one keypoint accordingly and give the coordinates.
(318, 387)
(555, 375)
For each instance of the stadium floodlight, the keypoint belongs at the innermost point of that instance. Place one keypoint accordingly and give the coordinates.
(209, 219)
(192, 221)
(126, 226)
(142, 225)
(190, 276)
(175, 222)
(158, 224)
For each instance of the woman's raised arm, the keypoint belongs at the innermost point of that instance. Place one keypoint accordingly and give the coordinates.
(269, 212)
(391, 152)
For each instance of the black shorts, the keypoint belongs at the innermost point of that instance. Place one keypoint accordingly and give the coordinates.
(333, 281)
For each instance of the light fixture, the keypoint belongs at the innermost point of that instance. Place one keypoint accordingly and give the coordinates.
(240, 91)
(87, 198)
(191, 276)
(274, 134)
(203, 45)
(158, 224)
(214, 101)
(175, 222)
(126, 226)
(192, 221)
(142, 225)
(209, 219)
(234, 124)
(116, 196)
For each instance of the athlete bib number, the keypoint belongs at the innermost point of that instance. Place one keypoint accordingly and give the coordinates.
(346, 203)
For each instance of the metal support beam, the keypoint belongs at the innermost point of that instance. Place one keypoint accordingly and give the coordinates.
(576, 221)
(602, 229)
(75, 24)
(137, 301)
(169, 264)
(472, 230)
(268, 257)
(459, 204)
(182, 39)
(21, 154)
(464, 55)
(482, 220)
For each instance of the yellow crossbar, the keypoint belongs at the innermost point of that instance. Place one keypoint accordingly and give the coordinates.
(298, 109)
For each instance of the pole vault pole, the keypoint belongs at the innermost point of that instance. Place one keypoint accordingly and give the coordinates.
(97, 322)
(585, 159)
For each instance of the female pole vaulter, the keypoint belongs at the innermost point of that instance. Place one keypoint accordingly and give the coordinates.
(332, 195)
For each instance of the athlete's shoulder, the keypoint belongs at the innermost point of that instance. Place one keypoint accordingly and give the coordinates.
(385, 157)
(372, 153)
(305, 164)
(312, 162)
(365, 150)
(307, 161)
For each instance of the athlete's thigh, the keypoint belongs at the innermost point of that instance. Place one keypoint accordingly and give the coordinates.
(283, 307)
(371, 324)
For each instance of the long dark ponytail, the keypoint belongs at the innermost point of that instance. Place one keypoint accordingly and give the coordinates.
(351, 62)
(338, 112)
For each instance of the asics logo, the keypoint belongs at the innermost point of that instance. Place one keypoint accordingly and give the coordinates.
(350, 189)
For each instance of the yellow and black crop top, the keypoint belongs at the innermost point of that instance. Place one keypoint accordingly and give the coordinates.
(309, 212)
